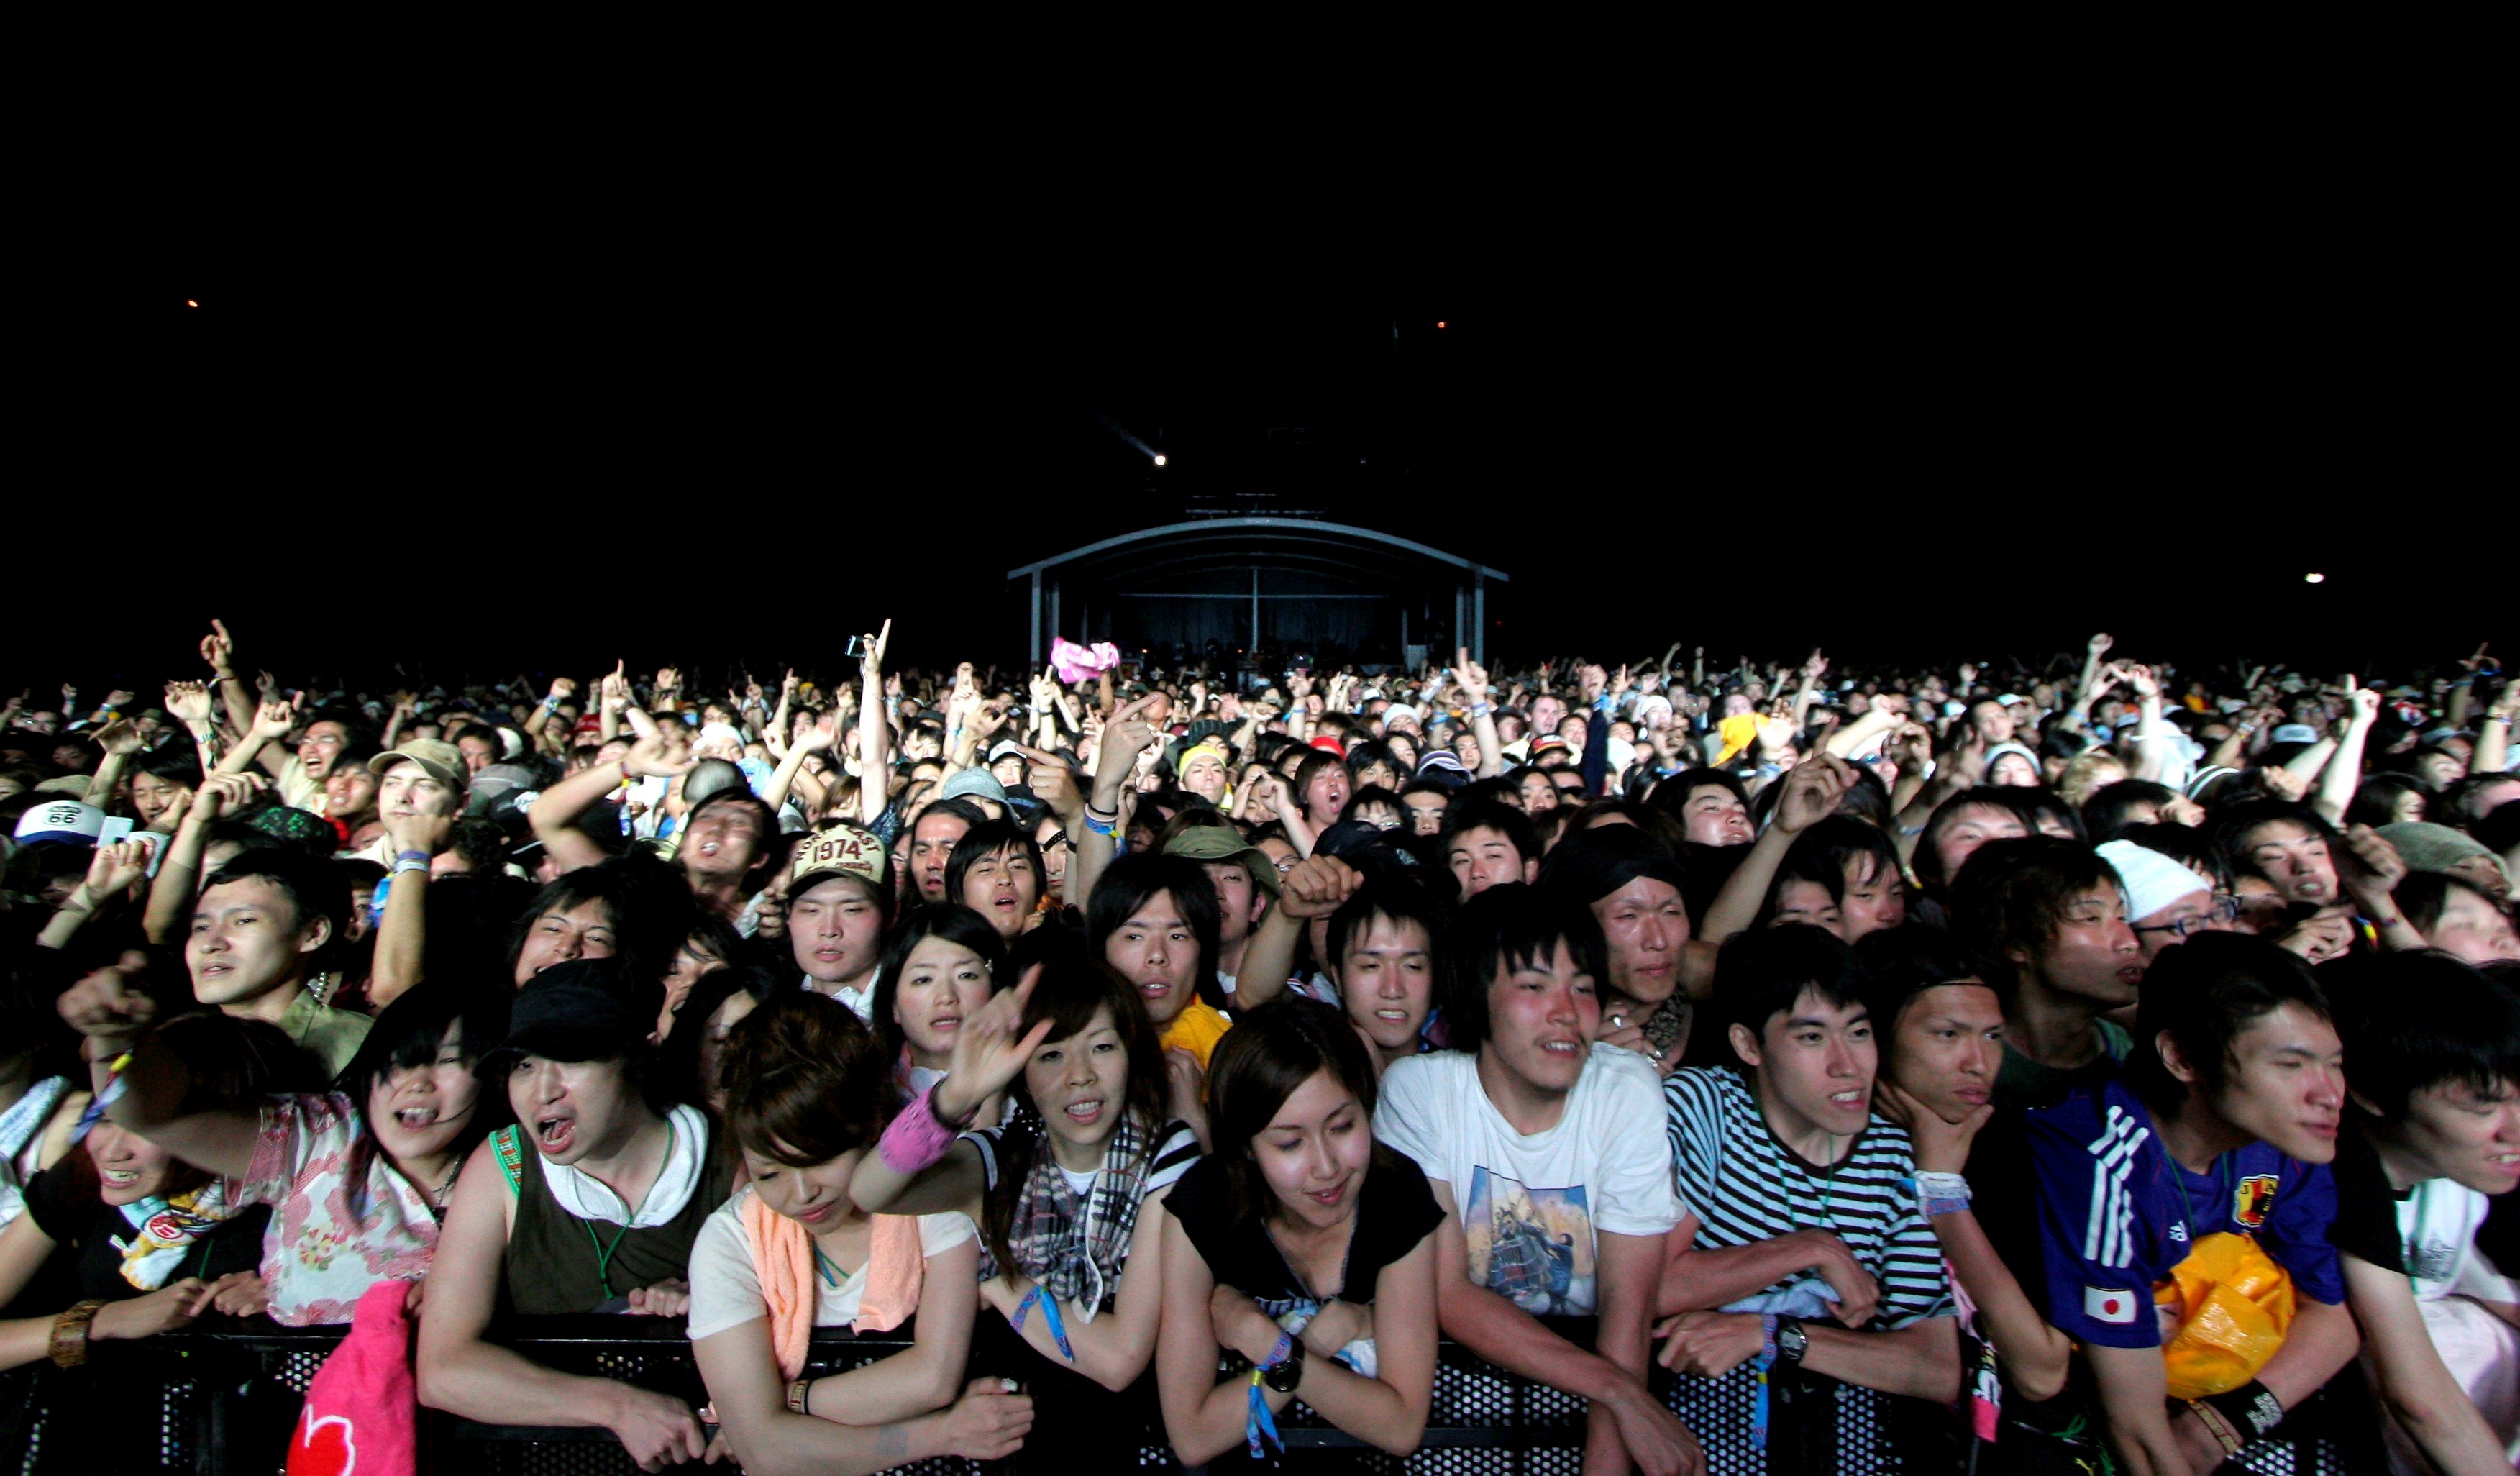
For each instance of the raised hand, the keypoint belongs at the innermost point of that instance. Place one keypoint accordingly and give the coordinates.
(1591, 680)
(109, 1003)
(668, 680)
(1317, 886)
(2476, 662)
(648, 756)
(125, 862)
(1052, 784)
(2363, 704)
(274, 718)
(1814, 668)
(2099, 645)
(224, 796)
(1127, 735)
(1472, 677)
(188, 702)
(1620, 684)
(990, 1051)
(118, 736)
(2377, 867)
(218, 651)
(1814, 790)
(561, 689)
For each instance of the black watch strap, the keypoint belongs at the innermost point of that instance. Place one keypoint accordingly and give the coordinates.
(1791, 1341)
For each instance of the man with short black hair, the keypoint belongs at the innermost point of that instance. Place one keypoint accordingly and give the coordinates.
(1554, 1203)
(2049, 917)
(2433, 1132)
(1802, 1261)
(267, 926)
(2209, 1157)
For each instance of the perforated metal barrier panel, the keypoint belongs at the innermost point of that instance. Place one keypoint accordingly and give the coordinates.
(211, 1402)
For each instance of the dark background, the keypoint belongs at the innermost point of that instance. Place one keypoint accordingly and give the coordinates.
(487, 428)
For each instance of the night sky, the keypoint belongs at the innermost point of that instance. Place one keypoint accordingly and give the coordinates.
(524, 439)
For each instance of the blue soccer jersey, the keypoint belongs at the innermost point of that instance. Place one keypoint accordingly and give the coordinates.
(2116, 1214)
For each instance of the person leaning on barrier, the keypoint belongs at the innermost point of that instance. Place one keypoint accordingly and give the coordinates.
(808, 1088)
(590, 1203)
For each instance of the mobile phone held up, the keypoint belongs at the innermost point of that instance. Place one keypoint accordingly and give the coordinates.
(857, 646)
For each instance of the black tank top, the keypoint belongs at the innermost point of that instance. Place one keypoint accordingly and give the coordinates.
(558, 1264)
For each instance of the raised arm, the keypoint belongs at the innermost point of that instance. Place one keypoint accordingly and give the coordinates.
(919, 1167)
(1473, 680)
(565, 801)
(875, 729)
(402, 937)
(218, 649)
(2344, 771)
(113, 1012)
(2493, 753)
(1814, 790)
(1127, 735)
(109, 872)
(1316, 888)
(171, 893)
(816, 738)
(271, 722)
(121, 741)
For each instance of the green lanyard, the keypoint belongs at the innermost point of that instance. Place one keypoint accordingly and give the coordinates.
(604, 1252)
(830, 1272)
(2222, 1175)
(604, 1255)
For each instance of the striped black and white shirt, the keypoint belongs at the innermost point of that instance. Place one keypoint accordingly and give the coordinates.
(1743, 1186)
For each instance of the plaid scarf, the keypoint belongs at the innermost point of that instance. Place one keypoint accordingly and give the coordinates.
(1074, 1243)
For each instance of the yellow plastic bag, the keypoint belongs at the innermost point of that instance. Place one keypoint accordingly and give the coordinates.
(2231, 1304)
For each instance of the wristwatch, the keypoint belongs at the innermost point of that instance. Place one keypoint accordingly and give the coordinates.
(1285, 1374)
(1791, 1341)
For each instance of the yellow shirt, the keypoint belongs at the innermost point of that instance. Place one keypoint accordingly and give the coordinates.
(1196, 1030)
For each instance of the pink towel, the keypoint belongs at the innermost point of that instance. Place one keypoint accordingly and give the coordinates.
(363, 1409)
(783, 1258)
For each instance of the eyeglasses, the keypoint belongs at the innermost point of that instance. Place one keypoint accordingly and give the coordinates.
(2225, 909)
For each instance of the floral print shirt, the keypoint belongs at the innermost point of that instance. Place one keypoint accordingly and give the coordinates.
(342, 1219)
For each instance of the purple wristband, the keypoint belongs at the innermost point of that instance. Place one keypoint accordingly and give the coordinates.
(916, 1137)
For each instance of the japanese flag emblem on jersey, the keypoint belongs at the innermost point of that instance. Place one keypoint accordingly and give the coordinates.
(2105, 1304)
(2250, 1201)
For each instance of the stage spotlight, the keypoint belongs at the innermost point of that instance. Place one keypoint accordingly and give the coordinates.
(189, 303)
(1159, 457)
(2313, 578)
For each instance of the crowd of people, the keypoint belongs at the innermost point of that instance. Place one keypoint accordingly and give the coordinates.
(1802, 1070)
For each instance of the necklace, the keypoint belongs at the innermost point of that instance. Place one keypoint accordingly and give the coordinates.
(1827, 1183)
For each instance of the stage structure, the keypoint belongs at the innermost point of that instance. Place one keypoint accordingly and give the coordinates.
(1249, 589)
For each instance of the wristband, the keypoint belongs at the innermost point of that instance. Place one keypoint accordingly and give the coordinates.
(1760, 1365)
(1101, 827)
(1050, 1316)
(2252, 1410)
(1258, 1423)
(1480, 709)
(2217, 1426)
(916, 1137)
(420, 855)
(1942, 1194)
(407, 864)
(69, 1345)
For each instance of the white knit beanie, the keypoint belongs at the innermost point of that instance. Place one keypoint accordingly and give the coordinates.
(2153, 881)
